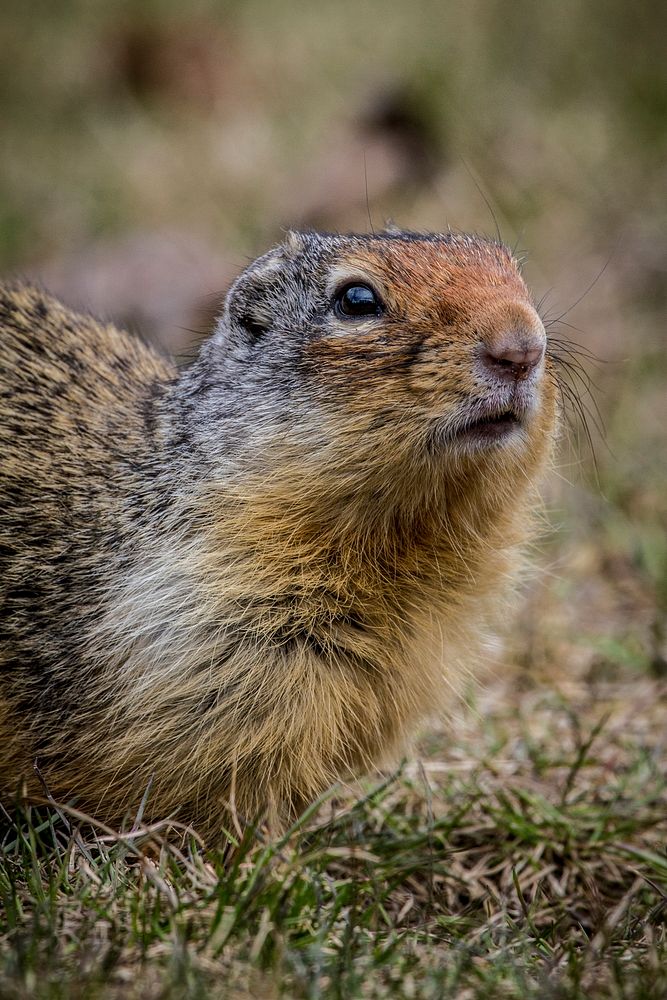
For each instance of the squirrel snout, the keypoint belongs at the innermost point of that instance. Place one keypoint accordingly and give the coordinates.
(514, 357)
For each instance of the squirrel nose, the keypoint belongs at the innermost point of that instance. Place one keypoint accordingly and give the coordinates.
(513, 359)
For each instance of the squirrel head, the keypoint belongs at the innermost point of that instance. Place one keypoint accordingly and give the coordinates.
(365, 351)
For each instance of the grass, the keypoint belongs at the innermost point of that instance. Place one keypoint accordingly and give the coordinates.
(527, 862)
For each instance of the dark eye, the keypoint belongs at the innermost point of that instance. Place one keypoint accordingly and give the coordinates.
(357, 300)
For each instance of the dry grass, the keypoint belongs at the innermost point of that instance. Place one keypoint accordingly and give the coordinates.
(526, 860)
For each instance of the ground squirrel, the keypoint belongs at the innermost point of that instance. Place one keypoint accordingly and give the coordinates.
(240, 582)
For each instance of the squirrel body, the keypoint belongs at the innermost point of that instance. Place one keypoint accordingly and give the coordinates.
(235, 584)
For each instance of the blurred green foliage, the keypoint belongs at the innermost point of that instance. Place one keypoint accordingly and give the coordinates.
(141, 114)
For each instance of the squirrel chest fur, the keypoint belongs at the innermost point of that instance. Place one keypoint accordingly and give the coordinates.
(240, 582)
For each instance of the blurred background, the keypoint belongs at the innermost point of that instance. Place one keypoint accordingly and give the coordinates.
(149, 150)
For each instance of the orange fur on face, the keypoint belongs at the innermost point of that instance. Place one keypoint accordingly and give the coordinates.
(265, 598)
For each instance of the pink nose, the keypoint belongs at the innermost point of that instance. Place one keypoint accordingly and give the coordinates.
(513, 359)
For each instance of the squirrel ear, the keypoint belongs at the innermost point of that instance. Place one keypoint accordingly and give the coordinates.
(249, 300)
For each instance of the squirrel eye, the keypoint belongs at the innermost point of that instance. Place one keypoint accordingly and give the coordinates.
(357, 300)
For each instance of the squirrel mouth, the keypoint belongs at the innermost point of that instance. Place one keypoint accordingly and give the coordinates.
(490, 428)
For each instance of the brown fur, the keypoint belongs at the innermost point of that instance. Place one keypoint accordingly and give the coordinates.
(244, 629)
